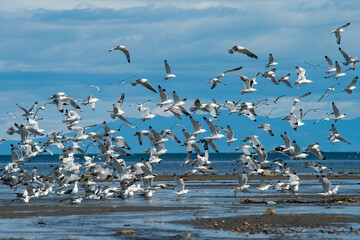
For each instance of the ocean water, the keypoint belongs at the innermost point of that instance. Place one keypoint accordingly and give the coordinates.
(212, 199)
(339, 162)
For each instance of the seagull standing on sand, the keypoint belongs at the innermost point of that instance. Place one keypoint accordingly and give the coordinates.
(168, 71)
(123, 49)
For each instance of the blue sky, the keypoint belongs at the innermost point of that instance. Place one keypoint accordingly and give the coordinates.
(48, 47)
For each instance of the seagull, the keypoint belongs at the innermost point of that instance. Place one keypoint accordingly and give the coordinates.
(277, 99)
(315, 66)
(90, 100)
(271, 61)
(263, 186)
(285, 79)
(180, 186)
(270, 74)
(117, 112)
(216, 80)
(197, 127)
(301, 77)
(326, 184)
(163, 97)
(268, 115)
(168, 71)
(242, 183)
(94, 86)
(144, 82)
(338, 73)
(30, 111)
(314, 148)
(266, 127)
(243, 50)
(296, 100)
(351, 86)
(122, 81)
(337, 114)
(230, 135)
(248, 84)
(335, 136)
(349, 60)
(298, 153)
(338, 31)
(330, 65)
(123, 49)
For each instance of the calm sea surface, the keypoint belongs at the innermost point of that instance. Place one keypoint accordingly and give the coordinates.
(222, 162)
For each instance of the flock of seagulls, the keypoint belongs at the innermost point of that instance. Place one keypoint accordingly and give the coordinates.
(79, 181)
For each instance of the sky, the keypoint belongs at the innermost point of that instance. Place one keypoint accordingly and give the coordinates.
(48, 47)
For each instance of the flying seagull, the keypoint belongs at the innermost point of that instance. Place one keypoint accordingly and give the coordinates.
(168, 71)
(123, 49)
(243, 50)
(338, 31)
(271, 61)
(315, 66)
(216, 80)
(351, 86)
(144, 82)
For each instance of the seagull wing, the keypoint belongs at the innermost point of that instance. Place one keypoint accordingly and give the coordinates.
(336, 110)
(232, 70)
(148, 86)
(167, 67)
(126, 52)
(248, 53)
(347, 58)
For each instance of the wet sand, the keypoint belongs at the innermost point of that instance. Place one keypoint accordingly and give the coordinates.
(276, 224)
(195, 216)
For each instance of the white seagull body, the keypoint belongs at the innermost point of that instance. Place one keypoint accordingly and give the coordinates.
(168, 71)
(271, 61)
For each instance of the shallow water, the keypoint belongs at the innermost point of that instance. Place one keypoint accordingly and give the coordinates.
(213, 199)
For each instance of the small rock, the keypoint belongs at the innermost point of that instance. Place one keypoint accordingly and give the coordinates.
(125, 232)
(270, 212)
(270, 203)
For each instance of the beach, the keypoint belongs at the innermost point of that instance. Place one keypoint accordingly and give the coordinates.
(208, 211)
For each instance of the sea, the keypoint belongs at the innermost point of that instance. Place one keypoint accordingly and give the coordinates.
(210, 199)
(223, 163)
